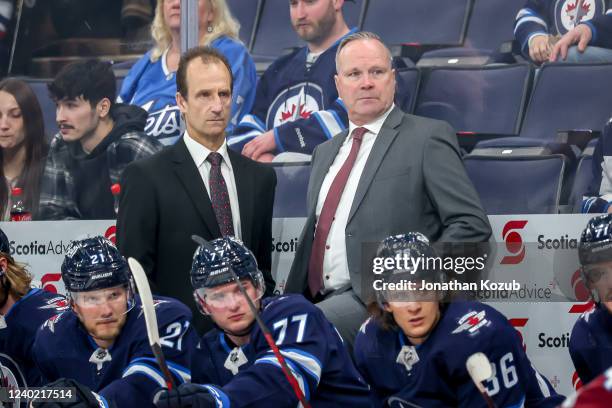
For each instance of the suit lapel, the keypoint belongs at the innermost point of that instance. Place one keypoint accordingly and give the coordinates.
(386, 136)
(326, 158)
(245, 182)
(190, 179)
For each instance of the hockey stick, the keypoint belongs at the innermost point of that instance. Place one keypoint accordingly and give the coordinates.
(479, 367)
(146, 298)
(264, 329)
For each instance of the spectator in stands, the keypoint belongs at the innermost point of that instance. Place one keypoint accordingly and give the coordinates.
(596, 34)
(96, 141)
(297, 104)
(598, 197)
(151, 83)
(23, 148)
(540, 24)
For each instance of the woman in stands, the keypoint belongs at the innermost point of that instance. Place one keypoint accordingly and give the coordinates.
(151, 83)
(23, 148)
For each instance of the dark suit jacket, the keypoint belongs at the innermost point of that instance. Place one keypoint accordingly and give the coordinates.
(164, 201)
(413, 180)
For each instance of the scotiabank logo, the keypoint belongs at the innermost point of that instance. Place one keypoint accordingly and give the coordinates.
(576, 381)
(519, 323)
(111, 234)
(514, 242)
(47, 281)
(581, 308)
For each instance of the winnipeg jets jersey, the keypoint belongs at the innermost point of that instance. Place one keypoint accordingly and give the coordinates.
(311, 347)
(434, 374)
(152, 86)
(126, 373)
(17, 330)
(591, 343)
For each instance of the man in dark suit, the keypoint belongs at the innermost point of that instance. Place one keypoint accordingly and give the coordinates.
(396, 173)
(198, 186)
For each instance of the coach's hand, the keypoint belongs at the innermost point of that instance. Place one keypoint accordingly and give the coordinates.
(185, 396)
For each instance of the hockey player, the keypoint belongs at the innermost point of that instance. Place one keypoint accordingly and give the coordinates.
(23, 310)
(596, 394)
(591, 340)
(414, 348)
(234, 364)
(102, 345)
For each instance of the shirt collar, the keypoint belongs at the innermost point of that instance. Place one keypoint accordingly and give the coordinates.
(374, 126)
(199, 152)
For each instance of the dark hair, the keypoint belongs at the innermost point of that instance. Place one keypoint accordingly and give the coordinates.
(92, 79)
(208, 55)
(384, 318)
(35, 144)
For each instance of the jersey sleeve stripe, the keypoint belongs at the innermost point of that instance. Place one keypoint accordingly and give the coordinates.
(145, 370)
(221, 398)
(271, 359)
(180, 372)
(306, 361)
(542, 384)
(328, 123)
(532, 19)
(232, 140)
(252, 121)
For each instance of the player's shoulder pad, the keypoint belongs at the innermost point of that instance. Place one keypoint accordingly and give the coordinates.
(277, 307)
(369, 336)
(167, 310)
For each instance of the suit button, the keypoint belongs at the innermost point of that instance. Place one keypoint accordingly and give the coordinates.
(326, 277)
(326, 246)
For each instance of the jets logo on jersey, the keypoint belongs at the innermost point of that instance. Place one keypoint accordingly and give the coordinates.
(156, 302)
(568, 13)
(163, 124)
(50, 323)
(58, 303)
(471, 322)
(296, 102)
(11, 378)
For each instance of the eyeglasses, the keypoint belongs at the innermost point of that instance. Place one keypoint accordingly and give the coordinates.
(100, 297)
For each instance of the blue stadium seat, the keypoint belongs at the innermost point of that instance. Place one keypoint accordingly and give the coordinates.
(424, 22)
(407, 87)
(566, 97)
(39, 86)
(291, 188)
(485, 100)
(491, 24)
(517, 185)
(246, 14)
(274, 34)
(582, 179)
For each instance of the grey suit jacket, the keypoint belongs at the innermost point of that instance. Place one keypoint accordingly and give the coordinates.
(413, 180)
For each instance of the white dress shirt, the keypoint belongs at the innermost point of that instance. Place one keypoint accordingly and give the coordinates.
(335, 263)
(199, 153)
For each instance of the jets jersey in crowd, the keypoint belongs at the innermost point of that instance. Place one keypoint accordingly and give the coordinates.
(127, 372)
(17, 331)
(152, 86)
(591, 343)
(554, 17)
(434, 374)
(251, 375)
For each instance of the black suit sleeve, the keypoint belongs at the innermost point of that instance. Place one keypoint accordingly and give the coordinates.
(137, 218)
(264, 242)
(451, 191)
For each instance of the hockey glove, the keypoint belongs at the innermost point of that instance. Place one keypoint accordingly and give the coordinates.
(187, 395)
(82, 395)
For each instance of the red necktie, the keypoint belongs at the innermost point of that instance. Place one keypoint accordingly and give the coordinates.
(328, 212)
(219, 197)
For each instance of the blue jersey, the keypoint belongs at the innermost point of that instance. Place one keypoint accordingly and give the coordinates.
(591, 343)
(433, 374)
(152, 86)
(17, 335)
(127, 373)
(554, 17)
(311, 346)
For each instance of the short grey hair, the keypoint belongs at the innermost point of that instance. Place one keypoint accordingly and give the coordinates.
(361, 35)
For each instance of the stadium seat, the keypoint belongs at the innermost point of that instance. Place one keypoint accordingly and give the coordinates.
(518, 184)
(418, 22)
(566, 97)
(291, 187)
(39, 86)
(476, 101)
(274, 34)
(490, 25)
(246, 13)
(407, 87)
(582, 178)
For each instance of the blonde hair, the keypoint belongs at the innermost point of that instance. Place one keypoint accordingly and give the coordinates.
(223, 24)
(17, 276)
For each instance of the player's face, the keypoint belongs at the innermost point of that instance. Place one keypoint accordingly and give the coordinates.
(365, 80)
(229, 308)
(207, 106)
(12, 130)
(313, 20)
(102, 312)
(599, 278)
(76, 119)
(416, 319)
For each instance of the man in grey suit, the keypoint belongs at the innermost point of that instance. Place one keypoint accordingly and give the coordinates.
(395, 173)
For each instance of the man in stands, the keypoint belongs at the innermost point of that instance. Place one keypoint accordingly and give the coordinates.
(96, 141)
